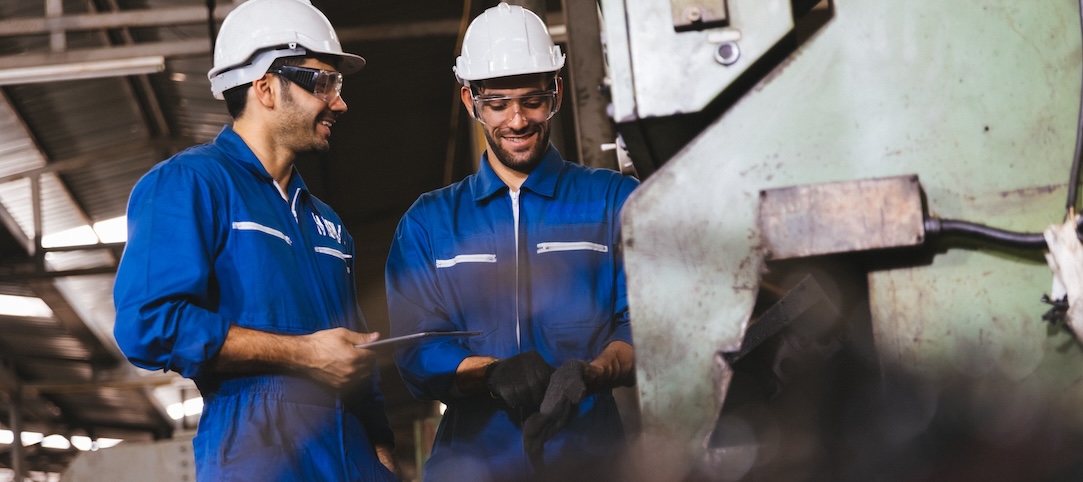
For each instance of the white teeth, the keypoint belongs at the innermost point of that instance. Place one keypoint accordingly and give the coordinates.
(326, 123)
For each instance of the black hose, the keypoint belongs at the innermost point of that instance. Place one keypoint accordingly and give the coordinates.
(1073, 177)
(934, 226)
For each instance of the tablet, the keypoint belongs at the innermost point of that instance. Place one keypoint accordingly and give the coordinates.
(398, 341)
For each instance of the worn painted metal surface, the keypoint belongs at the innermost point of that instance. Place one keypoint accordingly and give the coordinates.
(676, 72)
(977, 98)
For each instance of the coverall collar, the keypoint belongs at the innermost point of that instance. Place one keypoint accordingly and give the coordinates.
(239, 151)
(542, 180)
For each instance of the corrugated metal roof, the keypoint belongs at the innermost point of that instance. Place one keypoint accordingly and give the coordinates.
(95, 135)
(77, 117)
(59, 211)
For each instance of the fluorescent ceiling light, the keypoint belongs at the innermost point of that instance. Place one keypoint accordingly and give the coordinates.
(192, 406)
(31, 438)
(108, 442)
(78, 236)
(82, 70)
(82, 442)
(56, 441)
(113, 230)
(86, 444)
(175, 411)
(24, 306)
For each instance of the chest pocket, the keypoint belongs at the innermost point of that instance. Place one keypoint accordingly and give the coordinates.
(573, 273)
(557, 246)
(465, 253)
(569, 239)
(252, 243)
(246, 275)
(261, 228)
(465, 258)
(336, 254)
(469, 275)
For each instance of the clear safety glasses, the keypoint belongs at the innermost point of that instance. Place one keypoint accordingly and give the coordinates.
(497, 110)
(326, 85)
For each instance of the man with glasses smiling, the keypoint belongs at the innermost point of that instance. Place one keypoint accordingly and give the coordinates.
(237, 277)
(526, 251)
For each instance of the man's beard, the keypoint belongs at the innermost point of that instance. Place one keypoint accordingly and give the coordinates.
(298, 130)
(516, 162)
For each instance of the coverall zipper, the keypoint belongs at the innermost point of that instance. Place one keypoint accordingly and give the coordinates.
(515, 216)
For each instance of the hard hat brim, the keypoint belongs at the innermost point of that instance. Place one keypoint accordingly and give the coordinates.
(350, 63)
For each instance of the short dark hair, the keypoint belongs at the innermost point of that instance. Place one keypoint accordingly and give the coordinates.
(237, 97)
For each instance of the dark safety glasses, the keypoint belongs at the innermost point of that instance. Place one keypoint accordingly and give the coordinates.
(326, 85)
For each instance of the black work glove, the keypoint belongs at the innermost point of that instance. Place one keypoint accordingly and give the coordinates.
(520, 380)
(566, 389)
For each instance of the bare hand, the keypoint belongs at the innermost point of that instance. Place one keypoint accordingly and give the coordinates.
(387, 458)
(329, 356)
(613, 368)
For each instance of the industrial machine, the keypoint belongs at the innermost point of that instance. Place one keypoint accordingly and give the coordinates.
(835, 262)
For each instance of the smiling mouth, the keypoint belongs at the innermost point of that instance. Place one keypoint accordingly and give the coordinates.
(327, 124)
(520, 138)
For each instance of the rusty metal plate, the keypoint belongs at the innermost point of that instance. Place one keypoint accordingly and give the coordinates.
(841, 217)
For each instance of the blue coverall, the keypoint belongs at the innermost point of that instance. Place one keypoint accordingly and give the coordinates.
(537, 271)
(212, 242)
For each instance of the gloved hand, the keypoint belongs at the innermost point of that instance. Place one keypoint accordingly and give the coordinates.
(566, 389)
(520, 380)
(1065, 258)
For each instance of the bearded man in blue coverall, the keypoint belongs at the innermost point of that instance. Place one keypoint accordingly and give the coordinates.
(237, 277)
(526, 251)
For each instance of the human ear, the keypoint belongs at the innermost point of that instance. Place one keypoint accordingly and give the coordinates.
(264, 89)
(468, 100)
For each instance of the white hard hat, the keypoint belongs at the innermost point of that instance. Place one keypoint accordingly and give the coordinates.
(506, 40)
(259, 31)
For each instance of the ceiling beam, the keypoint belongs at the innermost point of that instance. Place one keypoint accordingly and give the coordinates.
(176, 48)
(193, 15)
(27, 274)
(33, 406)
(202, 46)
(8, 222)
(120, 19)
(145, 97)
(102, 354)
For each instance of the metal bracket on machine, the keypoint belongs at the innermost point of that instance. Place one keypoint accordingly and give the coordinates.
(840, 217)
(699, 14)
